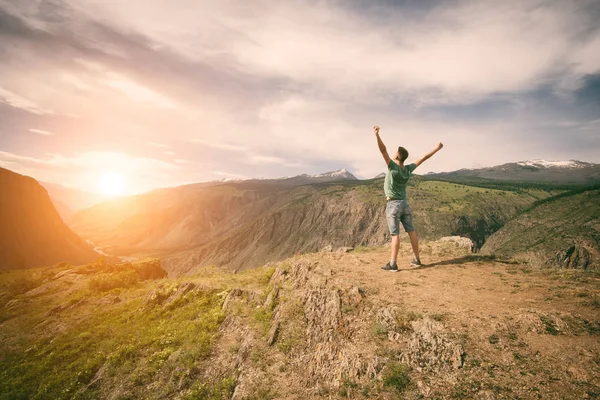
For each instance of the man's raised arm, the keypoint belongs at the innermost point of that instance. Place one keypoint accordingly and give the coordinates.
(382, 148)
(428, 155)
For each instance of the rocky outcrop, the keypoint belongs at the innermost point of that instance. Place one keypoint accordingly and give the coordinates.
(431, 350)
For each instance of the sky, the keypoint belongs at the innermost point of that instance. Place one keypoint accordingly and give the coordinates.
(155, 93)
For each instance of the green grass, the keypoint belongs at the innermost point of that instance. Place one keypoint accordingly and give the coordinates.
(396, 377)
(93, 345)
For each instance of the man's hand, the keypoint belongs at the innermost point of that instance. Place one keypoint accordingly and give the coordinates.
(428, 155)
(381, 146)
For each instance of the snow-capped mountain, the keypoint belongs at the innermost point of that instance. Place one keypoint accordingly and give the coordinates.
(332, 176)
(381, 175)
(340, 174)
(554, 164)
(561, 172)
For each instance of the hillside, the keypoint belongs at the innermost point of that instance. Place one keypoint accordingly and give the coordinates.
(322, 325)
(246, 224)
(32, 233)
(571, 172)
(563, 231)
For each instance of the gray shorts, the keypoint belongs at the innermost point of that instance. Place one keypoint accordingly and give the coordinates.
(396, 212)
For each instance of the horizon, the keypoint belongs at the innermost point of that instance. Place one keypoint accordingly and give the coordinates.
(103, 196)
(132, 96)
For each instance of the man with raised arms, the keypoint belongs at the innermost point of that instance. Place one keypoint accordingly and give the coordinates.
(398, 210)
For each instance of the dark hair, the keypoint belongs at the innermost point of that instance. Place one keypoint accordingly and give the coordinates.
(403, 153)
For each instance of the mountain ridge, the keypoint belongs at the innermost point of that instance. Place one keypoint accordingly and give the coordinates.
(560, 172)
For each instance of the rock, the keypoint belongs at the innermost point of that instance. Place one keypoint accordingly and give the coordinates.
(63, 273)
(38, 290)
(180, 292)
(271, 299)
(273, 332)
(327, 249)
(322, 309)
(431, 350)
(461, 242)
(355, 296)
(237, 292)
(11, 303)
(65, 306)
(573, 257)
(245, 348)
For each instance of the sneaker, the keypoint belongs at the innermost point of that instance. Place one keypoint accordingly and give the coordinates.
(390, 267)
(416, 262)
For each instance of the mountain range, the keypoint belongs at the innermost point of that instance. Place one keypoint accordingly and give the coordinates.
(557, 172)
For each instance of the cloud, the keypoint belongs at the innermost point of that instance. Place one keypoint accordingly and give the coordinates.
(229, 175)
(273, 89)
(220, 146)
(21, 102)
(41, 132)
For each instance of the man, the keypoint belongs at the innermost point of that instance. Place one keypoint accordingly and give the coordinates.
(398, 210)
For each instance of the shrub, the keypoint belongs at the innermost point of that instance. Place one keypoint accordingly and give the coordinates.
(106, 282)
(493, 339)
(396, 377)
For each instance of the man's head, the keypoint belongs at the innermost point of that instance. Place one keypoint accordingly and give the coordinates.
(401, 154)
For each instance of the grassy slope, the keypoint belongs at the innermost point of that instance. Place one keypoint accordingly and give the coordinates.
(97, 323)
(547, 231)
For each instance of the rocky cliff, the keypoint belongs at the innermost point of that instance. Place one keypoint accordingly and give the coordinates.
(32, 233)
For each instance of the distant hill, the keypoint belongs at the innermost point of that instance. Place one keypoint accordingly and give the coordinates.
(32, 233)
(563, 231)
(556, 172)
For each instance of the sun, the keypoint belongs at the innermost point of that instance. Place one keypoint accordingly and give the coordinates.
(112, 184)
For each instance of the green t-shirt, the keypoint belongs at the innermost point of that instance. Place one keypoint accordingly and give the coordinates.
(396, 180)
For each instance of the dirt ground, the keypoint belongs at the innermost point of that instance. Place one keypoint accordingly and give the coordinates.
(463, 326)
(527, 332)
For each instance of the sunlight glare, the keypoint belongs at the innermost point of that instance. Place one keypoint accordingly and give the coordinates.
(112, 184)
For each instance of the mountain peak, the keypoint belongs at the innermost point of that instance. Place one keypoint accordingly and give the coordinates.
(338, 174)
(552, 164)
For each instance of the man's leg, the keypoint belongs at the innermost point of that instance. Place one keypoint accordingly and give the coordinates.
(414, 242)
(395, 248)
